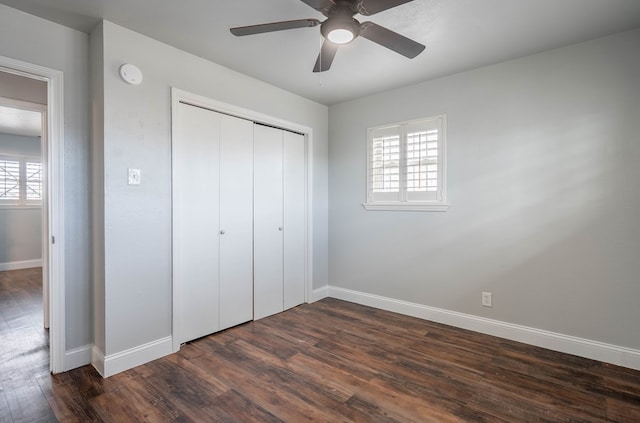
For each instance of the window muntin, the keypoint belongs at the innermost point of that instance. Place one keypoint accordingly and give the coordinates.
(406, 163)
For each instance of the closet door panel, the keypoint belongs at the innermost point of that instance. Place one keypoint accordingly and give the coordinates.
(195, 207)
(236, 221)
(268, 226)
(294, 219)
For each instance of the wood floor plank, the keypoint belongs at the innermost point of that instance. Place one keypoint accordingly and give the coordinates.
(28, 404)
(133, 402)
(67, 404)
(277, 372)
(5, 412)
(24, 349)
(240, 408)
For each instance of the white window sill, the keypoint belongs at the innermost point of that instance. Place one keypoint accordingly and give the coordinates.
(415, 206)
(19, 206)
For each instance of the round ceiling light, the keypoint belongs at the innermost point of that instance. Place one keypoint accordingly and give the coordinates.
(340, 29)
(340, 36)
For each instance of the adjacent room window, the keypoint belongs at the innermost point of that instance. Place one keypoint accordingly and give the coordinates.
(20, 181)
(406, 165)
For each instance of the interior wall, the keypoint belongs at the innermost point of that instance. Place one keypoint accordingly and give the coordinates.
(20, 228)
(41, 42)
(22, 88)
(137, 134)
(19, 145)
(543, 175)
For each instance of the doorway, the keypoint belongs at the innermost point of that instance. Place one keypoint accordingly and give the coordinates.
(22, 188)
(43, 179)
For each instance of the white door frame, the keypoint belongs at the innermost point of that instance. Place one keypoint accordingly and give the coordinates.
(177, 96)
(53, 229)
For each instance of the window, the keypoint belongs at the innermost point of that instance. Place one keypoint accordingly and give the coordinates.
(406, 166)
(20, 181)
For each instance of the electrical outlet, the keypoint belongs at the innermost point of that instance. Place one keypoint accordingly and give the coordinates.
(487, 299)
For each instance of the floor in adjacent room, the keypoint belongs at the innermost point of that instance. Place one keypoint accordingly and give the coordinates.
(24, 348)
(331, 361)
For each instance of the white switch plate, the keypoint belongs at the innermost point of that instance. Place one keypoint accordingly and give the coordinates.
(487, 299)
(135, 176)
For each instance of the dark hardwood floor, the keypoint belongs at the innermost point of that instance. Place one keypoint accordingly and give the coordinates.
(24, 348)
(330, 361)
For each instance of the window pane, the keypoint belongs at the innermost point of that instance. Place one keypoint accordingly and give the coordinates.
(385, 164)
(9, 180)
(422, 148)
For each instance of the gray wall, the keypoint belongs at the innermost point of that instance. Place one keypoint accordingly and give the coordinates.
(137, 134)
(34, 40)
(19, 145)
(20, 228)
(22, 88)
(543, 175)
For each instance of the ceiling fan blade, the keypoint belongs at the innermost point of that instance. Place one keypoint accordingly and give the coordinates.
(325, 58)
(274, 26)
(320, 5)
(391, 40)
(371, 7)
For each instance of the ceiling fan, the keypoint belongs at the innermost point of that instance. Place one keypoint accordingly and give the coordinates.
(341, 27)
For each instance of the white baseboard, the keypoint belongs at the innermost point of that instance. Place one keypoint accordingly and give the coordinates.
(115, 363)
(319, 294)
(17, 265)
(97, 360)
(586, 348)
(77, 357)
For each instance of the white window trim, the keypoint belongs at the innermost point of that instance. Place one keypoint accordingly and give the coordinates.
(404, 205)
(429, 206)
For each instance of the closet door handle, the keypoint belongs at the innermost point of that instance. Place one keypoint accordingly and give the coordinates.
(281, 228)
(222, 231)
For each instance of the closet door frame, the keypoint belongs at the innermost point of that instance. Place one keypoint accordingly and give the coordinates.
(180, 96)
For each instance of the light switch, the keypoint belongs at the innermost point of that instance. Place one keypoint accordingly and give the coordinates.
(135, 176)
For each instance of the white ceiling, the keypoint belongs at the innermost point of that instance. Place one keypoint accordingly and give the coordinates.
(459, 35)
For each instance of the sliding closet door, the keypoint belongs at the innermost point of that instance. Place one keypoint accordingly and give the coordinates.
(279, 220)
(268, 222)
(196, 216)
(236, 221)
(294, 219)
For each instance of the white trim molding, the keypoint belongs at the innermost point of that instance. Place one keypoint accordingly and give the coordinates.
(78, 357)
(23, 264)
(119, 362)
(613, 354)
(435, 207)
(97, 360)
(319, 294)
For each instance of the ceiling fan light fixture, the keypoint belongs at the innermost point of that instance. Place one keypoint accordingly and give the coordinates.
(340, 36)
(340, 30)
